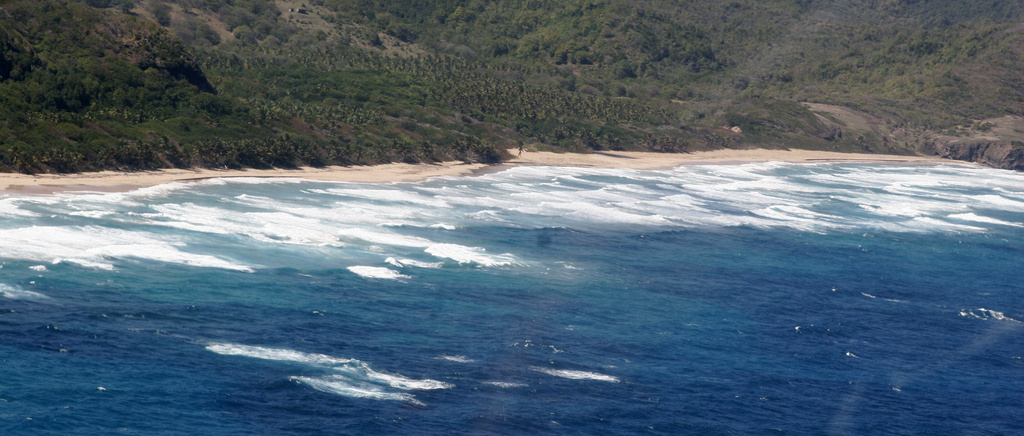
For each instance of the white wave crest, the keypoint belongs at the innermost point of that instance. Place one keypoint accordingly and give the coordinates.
(575, 375)
(797, 217)
(386, 238)
(9, 208)
(279, 354)
(983, 219)
(377, 272)
(577, 206)
(402, 263)
(388, 195)
(506, 385)
(166, 253)
(400, 382)
(933, 223)
(91, 213)
(873, 297)
(347, 388)
(352, 367)
(459, 358)
(986, 314)
(905, 207)
(281, 225)
(94, 247)
(349, 377)
(999, 202)
(466, 255)
(805, 197)
(16, 293)
(164, 189)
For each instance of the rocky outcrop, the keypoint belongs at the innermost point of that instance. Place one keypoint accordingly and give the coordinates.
(995, 142)
(998, 154)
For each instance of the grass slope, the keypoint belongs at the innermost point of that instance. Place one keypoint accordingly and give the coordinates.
(281, 83)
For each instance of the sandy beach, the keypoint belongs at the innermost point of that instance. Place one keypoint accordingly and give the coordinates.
(400, 172)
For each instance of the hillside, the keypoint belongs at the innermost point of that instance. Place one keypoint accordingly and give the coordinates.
(259, 83)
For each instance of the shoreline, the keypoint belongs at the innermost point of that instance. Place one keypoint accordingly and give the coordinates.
(118, 181)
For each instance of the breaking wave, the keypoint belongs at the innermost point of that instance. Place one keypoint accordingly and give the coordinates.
(359, 224)
(466, 255)
(986, 314)
(575, 375)
(16, 293)
(457, 359)
(346, 377)
(505, 385)
(97, 247)
(377, 272)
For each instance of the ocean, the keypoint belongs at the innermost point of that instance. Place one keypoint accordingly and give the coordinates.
(772, 298)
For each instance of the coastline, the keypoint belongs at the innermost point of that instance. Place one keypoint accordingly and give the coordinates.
(114, 181)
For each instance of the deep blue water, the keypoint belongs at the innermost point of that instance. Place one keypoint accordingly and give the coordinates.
(743, 299)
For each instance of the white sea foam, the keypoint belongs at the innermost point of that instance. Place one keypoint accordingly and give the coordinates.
(16, 293)
(254, 180)
(983, 219)
(458, 358)
(39, 268)
(279, 354)
(165, 189)
(932, 224)
(788, 212)
(983, 313)
(377, 217)
(286, 226)
(575, 375)
(797, 217)
(351, 367)
(386, 238)
(490, 200)
(387, 195)
(998, 202)
(402, 263)
(91, 213)
(675, 204)
(9, 207)
(347, 388)
(599, 213)
(633, 190)
(164, 252)
(349, 377)
(94, 247)
(505, 385)
(400, 382)
(897, 206)
(377, 272)
(467, 255)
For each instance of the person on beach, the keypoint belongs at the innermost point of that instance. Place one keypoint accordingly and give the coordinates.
(521, 148)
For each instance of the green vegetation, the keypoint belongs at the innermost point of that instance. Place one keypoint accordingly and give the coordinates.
(134, 84)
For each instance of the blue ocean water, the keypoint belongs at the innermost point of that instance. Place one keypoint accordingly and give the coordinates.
(734, 299)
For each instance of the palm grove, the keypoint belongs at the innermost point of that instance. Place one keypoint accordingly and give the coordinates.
(125, 84)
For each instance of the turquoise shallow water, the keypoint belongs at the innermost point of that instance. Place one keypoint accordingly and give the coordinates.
(742, 299)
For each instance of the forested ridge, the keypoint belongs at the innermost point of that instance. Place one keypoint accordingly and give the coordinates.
(138, 84)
